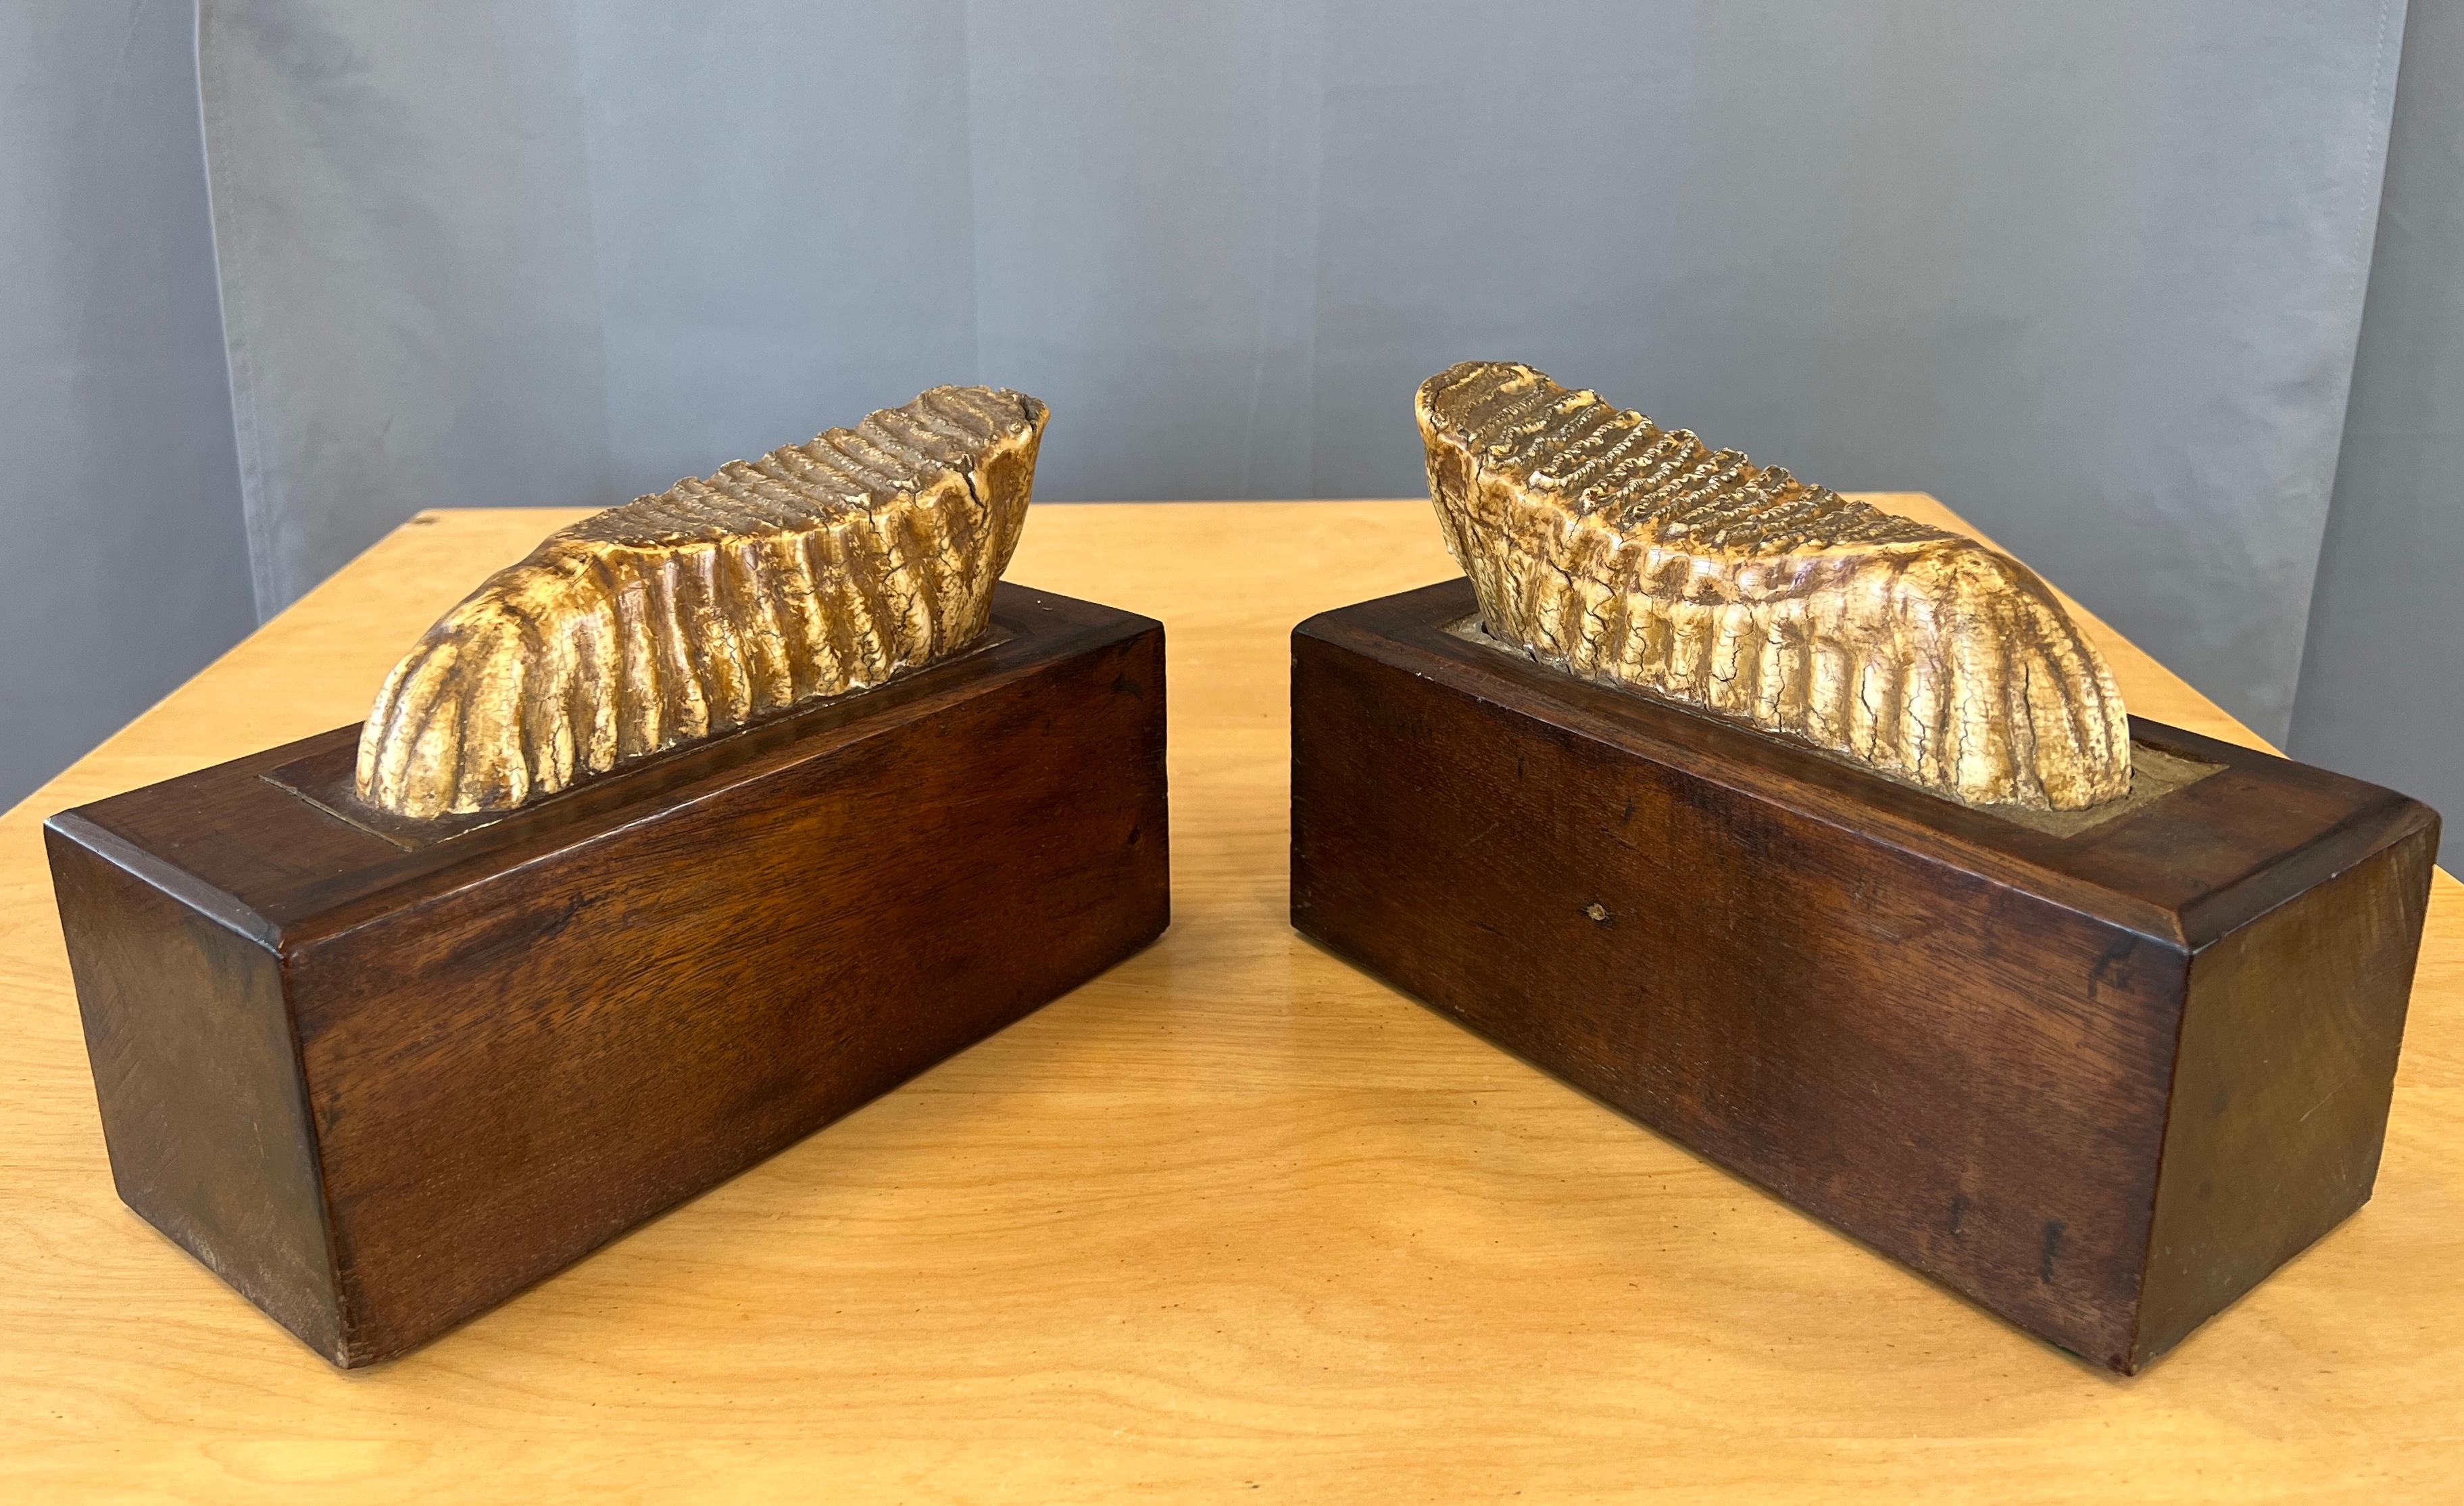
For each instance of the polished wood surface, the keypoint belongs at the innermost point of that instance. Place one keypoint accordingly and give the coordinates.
(1232, 1216)
(1948, 1031)
(384, 1079)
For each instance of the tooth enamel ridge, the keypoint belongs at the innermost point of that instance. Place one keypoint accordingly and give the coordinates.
(814, 571)
(1638, 557)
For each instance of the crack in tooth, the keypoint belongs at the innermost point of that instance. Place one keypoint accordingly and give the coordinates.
(812, 570)
(1640, 557)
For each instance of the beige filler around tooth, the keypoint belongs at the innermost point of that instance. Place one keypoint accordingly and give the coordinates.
(817, 570)
(1636, 556)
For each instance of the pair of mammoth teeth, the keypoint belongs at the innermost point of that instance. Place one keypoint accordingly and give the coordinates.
(1595, 540)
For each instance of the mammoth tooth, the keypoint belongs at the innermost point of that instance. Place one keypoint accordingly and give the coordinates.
(817, 570)
(1638, 557)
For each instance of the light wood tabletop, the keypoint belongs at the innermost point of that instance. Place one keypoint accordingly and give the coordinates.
(1231, 1218)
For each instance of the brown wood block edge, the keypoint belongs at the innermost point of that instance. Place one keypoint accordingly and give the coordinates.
(380, 1087)
(2100, 1081)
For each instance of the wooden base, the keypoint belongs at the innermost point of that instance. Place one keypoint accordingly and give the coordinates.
(2101, 1077)
(381, 1079)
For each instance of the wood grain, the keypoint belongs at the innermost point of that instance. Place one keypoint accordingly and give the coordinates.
(1947, 1032)
(480, 1055)
(1233, 1214)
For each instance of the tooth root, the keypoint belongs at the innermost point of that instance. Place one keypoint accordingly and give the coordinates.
(820, 568)
(1641, 558)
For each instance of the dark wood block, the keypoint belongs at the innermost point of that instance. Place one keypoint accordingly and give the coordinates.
(2100, 1076)
(381, 1077)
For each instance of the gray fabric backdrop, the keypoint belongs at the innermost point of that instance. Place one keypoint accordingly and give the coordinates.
(2094, 272)
(119, 512)
(2383, 678)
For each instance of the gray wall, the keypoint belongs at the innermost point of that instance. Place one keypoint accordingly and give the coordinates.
(127, 566)
(2382, 681)
(2094, 272)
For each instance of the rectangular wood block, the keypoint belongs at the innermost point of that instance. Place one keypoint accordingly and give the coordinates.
(2100, 1081)
(381, 1078)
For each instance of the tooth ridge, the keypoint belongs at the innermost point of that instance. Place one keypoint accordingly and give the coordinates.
(812, 570)
(1657, 564)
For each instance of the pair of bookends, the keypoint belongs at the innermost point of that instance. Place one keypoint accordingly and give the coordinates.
(721, 814)
(1815, 838)
(1819, 841)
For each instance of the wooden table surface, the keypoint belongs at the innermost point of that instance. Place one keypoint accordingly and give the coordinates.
(1232, 1217)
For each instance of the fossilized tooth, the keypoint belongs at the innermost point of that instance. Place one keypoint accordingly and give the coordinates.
(1637, 556)
(817, 570)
